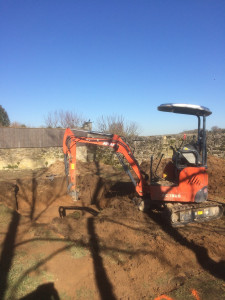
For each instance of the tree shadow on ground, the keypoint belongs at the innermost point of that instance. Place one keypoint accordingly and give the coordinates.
(9, 243)
(104, 285)
(99, 189)
(8, 252)
(217, 269)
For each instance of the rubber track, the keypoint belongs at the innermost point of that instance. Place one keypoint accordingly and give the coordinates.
(174, 208)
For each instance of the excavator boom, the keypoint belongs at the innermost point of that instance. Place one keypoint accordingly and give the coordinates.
(115, 142)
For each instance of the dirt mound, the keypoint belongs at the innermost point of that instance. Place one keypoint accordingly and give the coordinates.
(57, 168)
(159, 169)
(216, 171)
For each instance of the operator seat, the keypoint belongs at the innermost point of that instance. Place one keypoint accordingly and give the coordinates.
(185, 156)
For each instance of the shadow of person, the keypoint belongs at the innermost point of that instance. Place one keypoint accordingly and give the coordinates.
(45, 291)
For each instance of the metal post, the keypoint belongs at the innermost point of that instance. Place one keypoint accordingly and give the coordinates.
(199, 129)
(151, 171)
(204, 155)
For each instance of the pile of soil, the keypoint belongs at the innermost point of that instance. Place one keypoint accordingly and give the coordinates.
(216, 171)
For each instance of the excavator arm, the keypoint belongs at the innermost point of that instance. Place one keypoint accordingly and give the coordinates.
(115, 142)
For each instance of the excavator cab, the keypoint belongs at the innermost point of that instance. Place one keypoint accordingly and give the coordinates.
(190, 153)
(193, 153)
(189, 162)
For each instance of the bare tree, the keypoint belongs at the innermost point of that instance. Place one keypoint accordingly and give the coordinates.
(70, 119)
(132, 129)
(52, 119)
(215, 129)
(64, 119)
(116, 124)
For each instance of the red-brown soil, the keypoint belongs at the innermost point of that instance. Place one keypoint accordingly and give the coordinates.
(129, 254)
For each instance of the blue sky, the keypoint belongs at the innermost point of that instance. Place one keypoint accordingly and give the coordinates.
(120, 57)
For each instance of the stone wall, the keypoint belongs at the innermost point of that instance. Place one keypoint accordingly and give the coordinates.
(155, 145)
(216, 143)
(142, 147)
(33, 158)
(32, 148)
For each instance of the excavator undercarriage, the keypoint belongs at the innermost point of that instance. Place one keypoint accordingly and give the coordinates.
(182, 214)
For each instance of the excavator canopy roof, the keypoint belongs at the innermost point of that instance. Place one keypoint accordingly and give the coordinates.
(188, 109)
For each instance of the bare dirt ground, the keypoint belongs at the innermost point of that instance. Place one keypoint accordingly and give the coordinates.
(106, 249)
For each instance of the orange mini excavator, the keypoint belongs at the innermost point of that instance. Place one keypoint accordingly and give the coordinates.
(184, 196)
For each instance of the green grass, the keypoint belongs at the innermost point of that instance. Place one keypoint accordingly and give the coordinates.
(12, 166)
(64, 296)
(208, 288)
(74, 215)
(27, 272)
(43, 232)
(115, 257)
(77, 251)
(24, 277)
(84, 293)
(163, 280)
